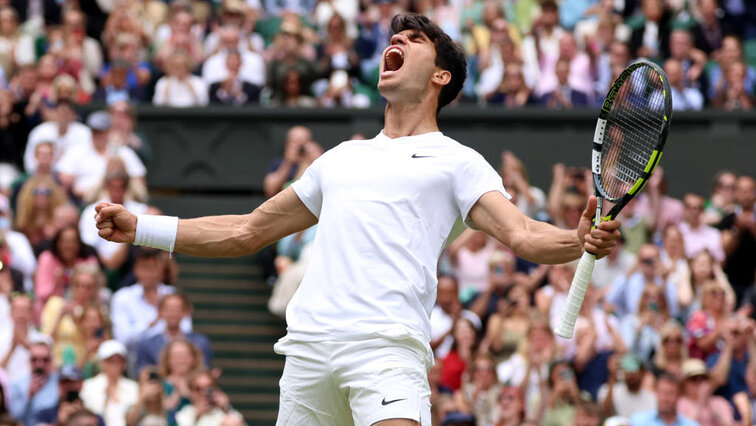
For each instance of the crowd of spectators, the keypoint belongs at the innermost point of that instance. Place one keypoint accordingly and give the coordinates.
(664, 335)
(93, 331)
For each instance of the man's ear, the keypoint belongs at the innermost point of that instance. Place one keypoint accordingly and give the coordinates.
(441, 77)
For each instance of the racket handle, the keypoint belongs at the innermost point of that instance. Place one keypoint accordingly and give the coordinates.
(566, 325)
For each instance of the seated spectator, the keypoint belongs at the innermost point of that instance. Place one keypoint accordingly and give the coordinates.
(651, 38)
(39, 102)
(132, 21)
(69, 386)
(134, 308)
(697, 235)
(36, 390)
(513, 93)
(16, 47)
(209, 404)
(17, 336)
(728, 364)
(94, 328)
(730, 53)
(342, 91)
(251, 67)
(37, 200)
(56, 265)
(14, 131)
(134, 74)
(288, 57)
(81, 417)
(234, 13)
(61, 129)
(83, 55)
(509, 325)
(180, 34)
(703, 268)
(564, 96)
(469, 254)
(62, 318)
(148, 409)
(109, 394)
(179, 88)
(44, 155)
(709, 325)
(731, 94)
(562, 397)
(445, 313)
(666, 412)
(123, 131)
(683, 97)
(739, 237)
(84, 177)
(625, 294)
(711, 29)
(114, 86)
(234, 89)
(697, 402)
(722, 199)
(179, 360)
(284, 169)
(15, 248)
(511, 407)
(691, 59)
(623, 394)
(479, 394)
(171, 310)
(460, 357)
(671, 352)
(641, 331)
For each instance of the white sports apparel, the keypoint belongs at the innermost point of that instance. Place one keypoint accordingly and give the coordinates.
(385, 208)
(353, 383)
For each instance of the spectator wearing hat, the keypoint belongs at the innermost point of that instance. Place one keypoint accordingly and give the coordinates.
(110, 394)
(70, 381)
(83, 168)
(666, 413)
(61, 129)
(37, 391)
(697, 401)
(623, 394)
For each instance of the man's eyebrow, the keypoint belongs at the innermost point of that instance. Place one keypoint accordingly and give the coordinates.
(414, 34)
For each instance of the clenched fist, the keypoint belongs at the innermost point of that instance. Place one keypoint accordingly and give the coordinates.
(115, 223)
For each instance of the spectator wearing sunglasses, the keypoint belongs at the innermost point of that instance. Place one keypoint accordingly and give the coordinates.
(697, 401)
(38, 391)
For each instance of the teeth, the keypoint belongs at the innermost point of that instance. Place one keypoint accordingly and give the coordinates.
(397, 50)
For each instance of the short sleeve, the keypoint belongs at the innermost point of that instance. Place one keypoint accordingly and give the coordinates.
(473, 178)
(309, 187)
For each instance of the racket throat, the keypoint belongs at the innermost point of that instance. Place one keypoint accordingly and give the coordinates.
(599, 208)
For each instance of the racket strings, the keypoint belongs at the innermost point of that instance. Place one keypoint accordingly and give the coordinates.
(634, 125)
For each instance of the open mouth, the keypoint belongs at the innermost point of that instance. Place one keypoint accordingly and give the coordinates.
(394, 59)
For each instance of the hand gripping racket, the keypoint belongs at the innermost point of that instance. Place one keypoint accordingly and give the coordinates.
(627, 145)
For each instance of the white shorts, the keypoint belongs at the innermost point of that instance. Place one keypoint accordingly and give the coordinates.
(357, 383)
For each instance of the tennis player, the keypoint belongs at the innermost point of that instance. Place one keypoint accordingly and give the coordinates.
(357, 347)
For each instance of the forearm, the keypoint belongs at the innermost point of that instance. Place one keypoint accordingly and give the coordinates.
(546, 244)
(721, 369)
(274, 181)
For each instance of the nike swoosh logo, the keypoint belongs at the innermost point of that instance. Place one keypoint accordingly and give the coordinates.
(384, 402)
(421, 156)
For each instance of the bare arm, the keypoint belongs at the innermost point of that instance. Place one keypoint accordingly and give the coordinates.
(537, 241)
(219, 236)
(274, 181)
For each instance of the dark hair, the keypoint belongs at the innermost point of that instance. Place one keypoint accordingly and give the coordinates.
(449, 56)
(549, 5)
(78, 414)
(146, 253)
(84, 250)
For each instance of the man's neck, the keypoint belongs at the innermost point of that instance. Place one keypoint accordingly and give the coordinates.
(174, 333)
(668, 418)
(409, 119)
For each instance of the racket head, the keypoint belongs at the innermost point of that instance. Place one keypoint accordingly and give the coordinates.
(631, 133)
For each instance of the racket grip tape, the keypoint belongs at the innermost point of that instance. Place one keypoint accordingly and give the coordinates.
(566, 325)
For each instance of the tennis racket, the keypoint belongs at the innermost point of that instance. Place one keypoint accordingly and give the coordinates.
(627, 145)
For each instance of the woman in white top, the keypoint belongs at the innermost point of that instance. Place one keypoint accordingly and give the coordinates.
(179, 88)
(16, 48)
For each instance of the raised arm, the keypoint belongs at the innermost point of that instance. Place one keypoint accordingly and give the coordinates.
(541, 242)
(218, 236)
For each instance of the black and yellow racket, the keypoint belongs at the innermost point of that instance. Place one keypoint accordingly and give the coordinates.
(627, 145)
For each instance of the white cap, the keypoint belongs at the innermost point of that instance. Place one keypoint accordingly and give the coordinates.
(109, 348)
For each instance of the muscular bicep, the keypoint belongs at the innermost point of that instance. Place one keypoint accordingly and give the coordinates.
(238, 235)
(494, 214)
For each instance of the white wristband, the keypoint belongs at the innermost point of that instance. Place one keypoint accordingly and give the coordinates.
(156, 231)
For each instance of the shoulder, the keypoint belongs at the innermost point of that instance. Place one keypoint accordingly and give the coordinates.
(123, 295)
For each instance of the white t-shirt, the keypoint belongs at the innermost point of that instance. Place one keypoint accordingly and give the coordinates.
(386, 207)
(88, 166)
(76, 134)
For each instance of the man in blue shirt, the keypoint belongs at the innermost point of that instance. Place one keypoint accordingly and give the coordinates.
(667, 393)
(33, 393)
